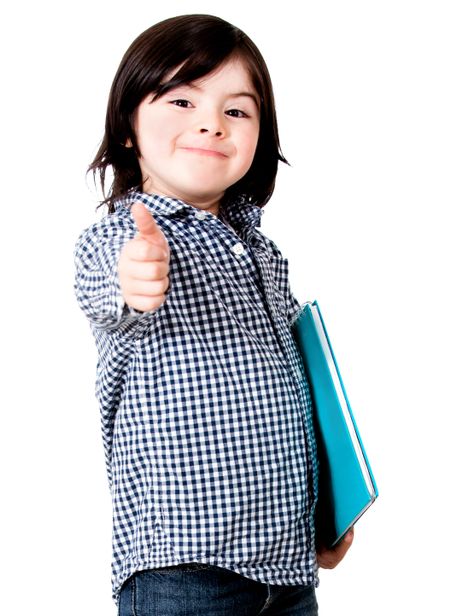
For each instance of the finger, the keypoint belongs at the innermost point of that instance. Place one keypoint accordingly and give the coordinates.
(147, 227)
(139, 249)
(147, 288)
(343, 546)
(329, 558)
(143, 303)
(148, 270)
(349, 537)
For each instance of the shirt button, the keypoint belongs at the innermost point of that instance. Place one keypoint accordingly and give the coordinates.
(200, 215)
(238, 249)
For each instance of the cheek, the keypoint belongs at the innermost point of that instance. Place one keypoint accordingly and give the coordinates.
(155, 135)
(248, 146)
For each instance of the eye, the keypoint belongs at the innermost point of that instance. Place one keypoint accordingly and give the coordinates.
(185, 104)
(237, 113)
(180, 102)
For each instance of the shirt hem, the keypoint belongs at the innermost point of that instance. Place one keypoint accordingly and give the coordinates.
(265, 577)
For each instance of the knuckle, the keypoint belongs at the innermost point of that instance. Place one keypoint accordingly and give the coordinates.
(153, 271)
(142, 303)
(154, 302)
(163, 270)
(160, 287)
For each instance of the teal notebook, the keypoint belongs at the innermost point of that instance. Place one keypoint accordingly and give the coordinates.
(346, 484)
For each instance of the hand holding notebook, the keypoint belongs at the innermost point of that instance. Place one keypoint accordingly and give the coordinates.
(346, 485)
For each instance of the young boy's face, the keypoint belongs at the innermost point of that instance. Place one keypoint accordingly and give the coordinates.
(199, 139)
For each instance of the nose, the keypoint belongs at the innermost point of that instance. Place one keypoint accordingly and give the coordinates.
(212, 123)
(217, 133)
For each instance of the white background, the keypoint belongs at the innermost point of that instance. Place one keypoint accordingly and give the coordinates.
(363, 99)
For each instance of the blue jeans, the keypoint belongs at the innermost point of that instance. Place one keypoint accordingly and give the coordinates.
(196, 589)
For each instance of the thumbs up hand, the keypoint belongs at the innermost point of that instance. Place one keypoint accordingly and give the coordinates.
(143, 265)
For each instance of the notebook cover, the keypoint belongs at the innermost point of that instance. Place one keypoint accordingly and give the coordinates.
(346, 483)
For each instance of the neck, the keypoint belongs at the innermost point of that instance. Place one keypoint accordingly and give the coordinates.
(206, 204)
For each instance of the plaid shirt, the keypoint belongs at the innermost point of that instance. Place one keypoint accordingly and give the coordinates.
(205, 408)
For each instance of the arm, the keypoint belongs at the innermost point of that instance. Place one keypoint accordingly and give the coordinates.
(116, 279)
(326, 558)
(280, 269)
(97, 286)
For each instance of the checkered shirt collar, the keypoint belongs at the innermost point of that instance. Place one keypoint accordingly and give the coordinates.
(241, 214)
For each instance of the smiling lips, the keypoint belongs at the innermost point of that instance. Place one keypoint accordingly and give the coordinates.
(204, 152)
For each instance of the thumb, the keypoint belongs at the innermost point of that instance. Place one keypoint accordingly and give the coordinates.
(147, 227)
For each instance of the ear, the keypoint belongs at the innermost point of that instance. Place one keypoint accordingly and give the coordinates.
(128, 143)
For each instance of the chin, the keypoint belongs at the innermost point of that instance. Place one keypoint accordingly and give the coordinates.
(205, 194)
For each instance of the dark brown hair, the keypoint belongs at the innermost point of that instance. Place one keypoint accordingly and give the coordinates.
(201, 43)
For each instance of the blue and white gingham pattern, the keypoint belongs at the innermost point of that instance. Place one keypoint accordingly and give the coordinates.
(206, 413)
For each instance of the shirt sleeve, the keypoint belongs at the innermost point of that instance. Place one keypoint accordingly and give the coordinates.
(97, 286)
(294, 307)
(280, 270)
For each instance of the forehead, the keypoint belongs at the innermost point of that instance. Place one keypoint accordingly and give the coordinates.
(233, 70)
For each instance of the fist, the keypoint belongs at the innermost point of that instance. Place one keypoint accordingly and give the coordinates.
(143, 266)
(329, 558)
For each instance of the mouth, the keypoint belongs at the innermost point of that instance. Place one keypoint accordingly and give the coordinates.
(204, 152)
